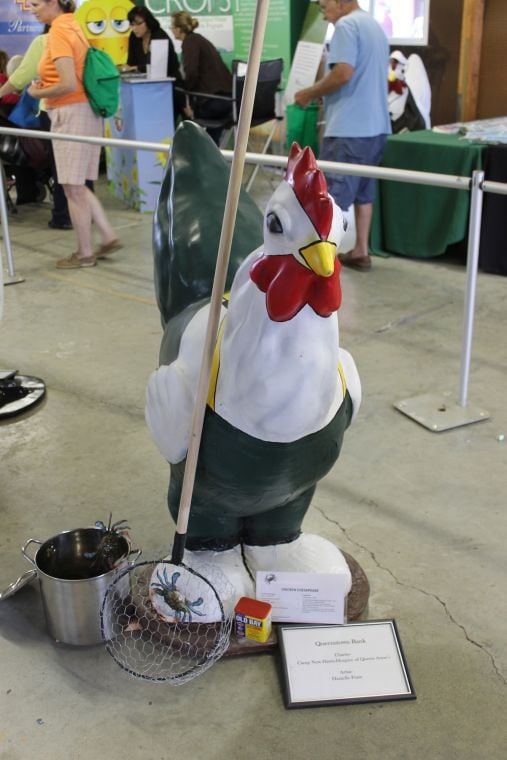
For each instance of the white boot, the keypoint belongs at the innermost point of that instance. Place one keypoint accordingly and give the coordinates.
(231, 564)
(307, 554)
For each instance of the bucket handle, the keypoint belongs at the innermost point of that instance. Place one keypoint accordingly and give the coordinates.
(24, 548)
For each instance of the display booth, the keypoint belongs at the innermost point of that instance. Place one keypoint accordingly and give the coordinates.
(145, 114)
(418, 220)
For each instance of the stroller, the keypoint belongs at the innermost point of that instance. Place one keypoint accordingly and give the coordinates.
(25, 167)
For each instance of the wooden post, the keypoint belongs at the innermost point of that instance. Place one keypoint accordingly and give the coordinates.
(224, 250)
(470, 58)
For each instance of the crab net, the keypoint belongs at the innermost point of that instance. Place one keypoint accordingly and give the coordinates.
(167, 623)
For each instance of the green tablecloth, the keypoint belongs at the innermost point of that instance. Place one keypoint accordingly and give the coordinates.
(421, 220)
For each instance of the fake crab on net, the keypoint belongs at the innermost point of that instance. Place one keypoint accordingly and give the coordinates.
(167, 623)
(180, 608)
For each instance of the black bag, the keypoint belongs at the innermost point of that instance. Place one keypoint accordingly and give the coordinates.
(11, 151)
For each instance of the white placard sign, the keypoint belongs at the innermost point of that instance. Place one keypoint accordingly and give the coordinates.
(356, 662)
(159, 51)
(303, 597)
(305, 65)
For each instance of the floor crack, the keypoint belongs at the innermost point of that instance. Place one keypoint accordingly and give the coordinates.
(420, 590)
(406, 320)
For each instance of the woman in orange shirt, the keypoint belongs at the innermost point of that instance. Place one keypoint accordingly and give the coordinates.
(61, 85)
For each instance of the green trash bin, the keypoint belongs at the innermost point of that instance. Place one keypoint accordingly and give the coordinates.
(302, 126)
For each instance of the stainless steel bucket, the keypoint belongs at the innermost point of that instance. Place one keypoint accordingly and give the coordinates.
(72, 586)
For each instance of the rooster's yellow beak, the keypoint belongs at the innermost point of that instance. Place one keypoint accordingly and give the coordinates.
(320, 257)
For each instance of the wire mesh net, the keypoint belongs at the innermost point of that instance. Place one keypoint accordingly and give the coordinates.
(167, 623)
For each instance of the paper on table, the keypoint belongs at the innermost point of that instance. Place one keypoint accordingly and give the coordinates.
(159, 52)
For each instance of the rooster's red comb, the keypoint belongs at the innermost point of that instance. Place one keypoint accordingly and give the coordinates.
(310, 187)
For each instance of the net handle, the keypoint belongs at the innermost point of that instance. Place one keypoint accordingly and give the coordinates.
(224, 249)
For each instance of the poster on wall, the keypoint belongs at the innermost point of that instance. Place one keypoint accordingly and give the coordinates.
(106, 26)
(104, 23)
(276, 38)
(18, 26)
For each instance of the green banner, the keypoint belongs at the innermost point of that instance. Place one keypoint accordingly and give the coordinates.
(277, 39)
(194, 7)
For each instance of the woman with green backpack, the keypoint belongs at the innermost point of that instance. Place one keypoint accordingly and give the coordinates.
(61, 85)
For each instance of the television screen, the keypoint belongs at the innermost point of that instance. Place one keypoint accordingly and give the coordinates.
(405, 22)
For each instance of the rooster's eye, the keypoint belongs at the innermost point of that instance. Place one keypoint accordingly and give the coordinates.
(273, 222)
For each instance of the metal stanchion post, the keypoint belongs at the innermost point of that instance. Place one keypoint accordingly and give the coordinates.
(474, 236)
(11, 279)
(438, 412)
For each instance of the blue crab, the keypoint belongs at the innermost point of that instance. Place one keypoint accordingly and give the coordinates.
(183, 608)
(110, 549)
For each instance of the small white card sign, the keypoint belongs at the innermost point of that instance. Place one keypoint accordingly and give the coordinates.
(340, 664)
(303, 597)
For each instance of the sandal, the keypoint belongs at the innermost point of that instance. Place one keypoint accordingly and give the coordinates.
(362, 264)
(76, 262)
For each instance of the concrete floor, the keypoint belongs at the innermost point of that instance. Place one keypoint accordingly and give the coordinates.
(423, 513)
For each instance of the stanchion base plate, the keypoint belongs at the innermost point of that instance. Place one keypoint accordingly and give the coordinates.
(8, 280)
(18, 393)
(439, 412)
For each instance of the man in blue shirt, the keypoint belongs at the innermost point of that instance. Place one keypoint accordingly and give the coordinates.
(357, 117)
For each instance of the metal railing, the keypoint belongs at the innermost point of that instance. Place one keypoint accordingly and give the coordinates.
(476, 185)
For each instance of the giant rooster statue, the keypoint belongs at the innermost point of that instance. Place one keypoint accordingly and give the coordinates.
(282, 390)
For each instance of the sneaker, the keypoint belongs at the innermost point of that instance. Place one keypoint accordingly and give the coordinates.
(75, 262)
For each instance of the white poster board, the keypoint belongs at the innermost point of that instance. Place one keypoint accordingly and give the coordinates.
(305, 65)
(159, 52)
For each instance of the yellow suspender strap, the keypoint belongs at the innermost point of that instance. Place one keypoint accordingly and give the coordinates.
(215, 366)
(342, 377)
